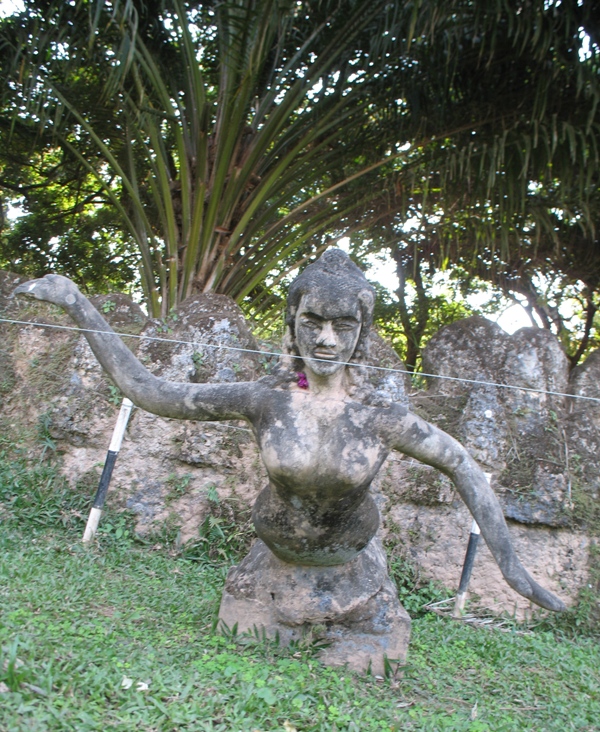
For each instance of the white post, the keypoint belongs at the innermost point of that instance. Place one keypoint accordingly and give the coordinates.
(465, 577)
(109, 464)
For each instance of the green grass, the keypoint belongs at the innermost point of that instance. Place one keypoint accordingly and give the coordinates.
(76, 623)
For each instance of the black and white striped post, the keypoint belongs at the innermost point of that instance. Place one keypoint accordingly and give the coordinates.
(465, 577)
(109, 464)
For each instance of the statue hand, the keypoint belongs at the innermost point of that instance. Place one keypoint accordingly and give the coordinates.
(522, 582)
(56, 289)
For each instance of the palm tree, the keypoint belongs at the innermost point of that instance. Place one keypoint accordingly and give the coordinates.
(231, 137)
(236, 126)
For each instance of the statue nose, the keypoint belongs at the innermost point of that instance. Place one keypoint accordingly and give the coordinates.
(327, 336)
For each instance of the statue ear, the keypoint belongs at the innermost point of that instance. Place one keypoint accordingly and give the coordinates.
(289, 343)
(290, 319)
(366, 298)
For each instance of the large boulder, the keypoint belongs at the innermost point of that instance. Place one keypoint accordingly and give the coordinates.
(503, 397)
(167, 469)
(540, 448)
(582, 430)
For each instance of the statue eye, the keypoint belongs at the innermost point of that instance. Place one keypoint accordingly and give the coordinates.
(345, 326)
(310, 323)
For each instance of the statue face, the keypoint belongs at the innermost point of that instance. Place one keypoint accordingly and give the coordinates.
(327, 329)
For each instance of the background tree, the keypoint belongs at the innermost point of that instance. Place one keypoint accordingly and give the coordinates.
(221, 133)
(504, 178)
(229, 140)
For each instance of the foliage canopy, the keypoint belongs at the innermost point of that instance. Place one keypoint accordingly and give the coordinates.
(216, 145)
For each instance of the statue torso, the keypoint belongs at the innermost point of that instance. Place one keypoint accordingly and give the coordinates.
(323, 448)
(321, 456)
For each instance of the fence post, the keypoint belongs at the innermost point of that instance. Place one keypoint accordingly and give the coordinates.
(465, 577)
(109, 464)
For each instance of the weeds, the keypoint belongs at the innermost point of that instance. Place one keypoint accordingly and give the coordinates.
(43, 435)
(115, 395)
(178, 485)
(311, 641)
(413, 592)
(116, 529)
(12, 671)
(225, 534)
(36, 494)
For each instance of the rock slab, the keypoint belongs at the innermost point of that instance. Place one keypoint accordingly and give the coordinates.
(353, 607)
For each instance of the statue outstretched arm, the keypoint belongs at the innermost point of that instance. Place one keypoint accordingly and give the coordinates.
(425, 442)
(165, 398)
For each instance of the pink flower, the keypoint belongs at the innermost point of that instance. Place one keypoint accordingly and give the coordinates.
(302, 380)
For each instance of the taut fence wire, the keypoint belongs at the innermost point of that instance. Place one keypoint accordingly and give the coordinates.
(198, 344)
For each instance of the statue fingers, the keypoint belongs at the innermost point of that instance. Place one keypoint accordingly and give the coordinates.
(27, 288)
(525, 585)
(51, 288)
(546, 599)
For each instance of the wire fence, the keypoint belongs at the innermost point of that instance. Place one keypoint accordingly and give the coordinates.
(260, 352)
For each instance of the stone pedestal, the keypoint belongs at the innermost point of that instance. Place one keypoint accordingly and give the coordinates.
(355, 605)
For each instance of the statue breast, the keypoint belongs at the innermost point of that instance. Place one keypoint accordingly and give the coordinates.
(326, 447)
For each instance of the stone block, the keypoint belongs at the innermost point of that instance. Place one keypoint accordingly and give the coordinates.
(353, 607)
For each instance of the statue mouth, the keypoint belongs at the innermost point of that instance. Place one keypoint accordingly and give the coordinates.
(325, 355)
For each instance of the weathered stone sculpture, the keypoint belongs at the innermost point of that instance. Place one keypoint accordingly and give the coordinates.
(323, 434)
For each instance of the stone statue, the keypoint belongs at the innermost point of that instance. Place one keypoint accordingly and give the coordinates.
(323, 434)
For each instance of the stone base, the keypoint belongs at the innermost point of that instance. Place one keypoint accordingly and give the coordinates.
(355, 606)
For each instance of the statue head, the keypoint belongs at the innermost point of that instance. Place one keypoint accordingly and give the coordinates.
(335, 288)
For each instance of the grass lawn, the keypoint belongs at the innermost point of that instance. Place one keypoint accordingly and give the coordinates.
(119, 637)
